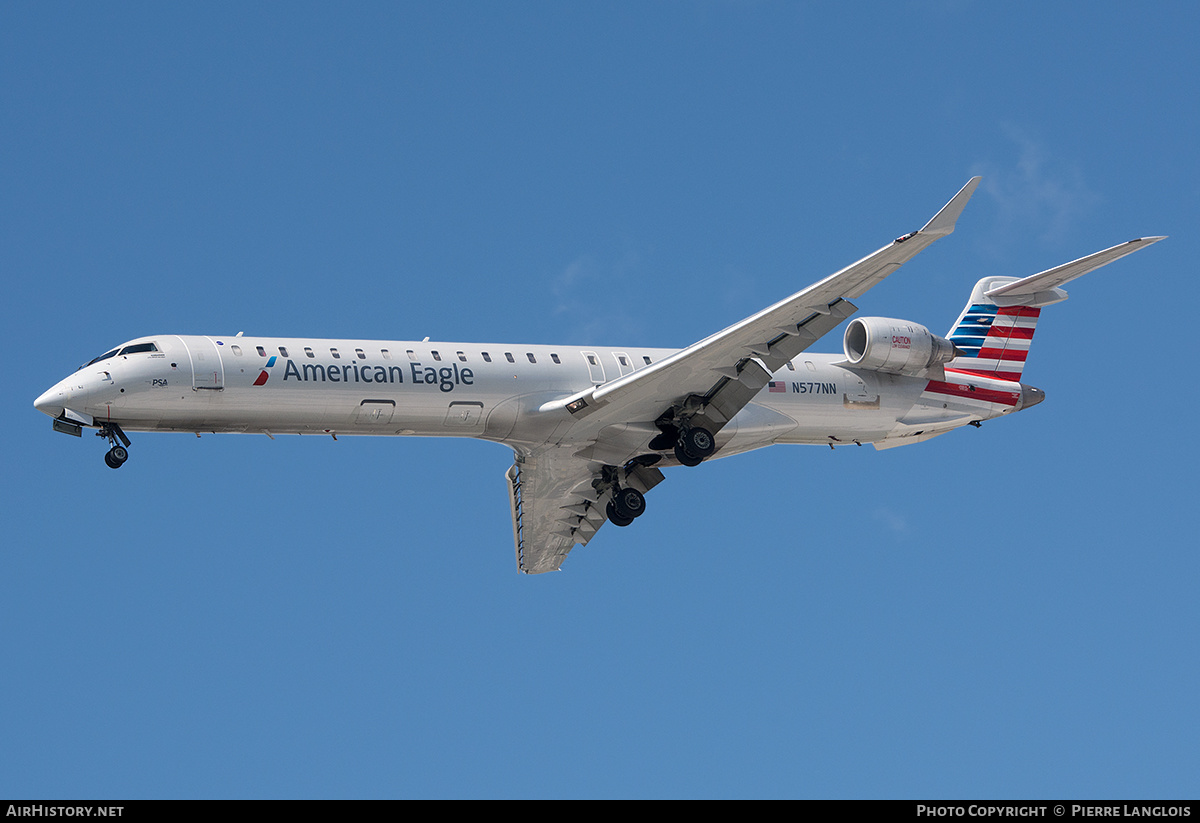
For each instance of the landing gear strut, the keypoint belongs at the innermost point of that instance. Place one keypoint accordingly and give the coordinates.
(118, 454)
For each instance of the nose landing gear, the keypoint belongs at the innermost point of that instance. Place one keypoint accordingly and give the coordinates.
(115, 457)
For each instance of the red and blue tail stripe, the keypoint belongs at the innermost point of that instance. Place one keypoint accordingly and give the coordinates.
(994, 340)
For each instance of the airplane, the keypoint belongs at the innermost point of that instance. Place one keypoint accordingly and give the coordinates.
(591, 428)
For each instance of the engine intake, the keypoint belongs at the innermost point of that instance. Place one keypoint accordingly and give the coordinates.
(895, 346)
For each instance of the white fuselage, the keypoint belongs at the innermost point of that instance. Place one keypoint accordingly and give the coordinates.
(494, 392)
(592, 427)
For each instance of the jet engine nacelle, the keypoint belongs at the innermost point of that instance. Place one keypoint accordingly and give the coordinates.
(895, 346)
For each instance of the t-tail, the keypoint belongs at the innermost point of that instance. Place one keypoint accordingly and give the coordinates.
(996, 328)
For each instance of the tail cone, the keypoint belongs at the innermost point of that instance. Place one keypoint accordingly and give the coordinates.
(1030, 397)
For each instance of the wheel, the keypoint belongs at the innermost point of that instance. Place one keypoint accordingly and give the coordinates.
(686, 459)
(115, 457)
(615, 518)
(698, 442)
(629, 503)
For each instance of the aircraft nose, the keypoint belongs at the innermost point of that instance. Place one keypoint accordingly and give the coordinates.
(50, 402)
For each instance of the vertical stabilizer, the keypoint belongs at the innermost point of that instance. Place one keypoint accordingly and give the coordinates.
(994, 340)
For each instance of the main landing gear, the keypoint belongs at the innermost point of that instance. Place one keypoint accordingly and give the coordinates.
(626, 504)
(694, 445)
(115, 457)
(680, 430)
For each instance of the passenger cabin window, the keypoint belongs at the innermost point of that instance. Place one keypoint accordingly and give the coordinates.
(335, 354)
(621, 359)
(361, 355)
(412, 355)
(508, 356)
(283, 351)
(308, 350)
(554, 357)
(487, 358)
(646, 359)
(261, 351)
(791, 366)
(531, 357)
(462, 357)
(386, 354)
(437, 356)
(591, 359)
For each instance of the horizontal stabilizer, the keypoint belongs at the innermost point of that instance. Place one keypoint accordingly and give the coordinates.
(1057, 276)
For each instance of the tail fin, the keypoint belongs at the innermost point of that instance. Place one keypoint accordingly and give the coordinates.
(996, 328)
(994, 340)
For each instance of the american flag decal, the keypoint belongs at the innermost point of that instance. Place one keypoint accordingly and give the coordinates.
(777, 386)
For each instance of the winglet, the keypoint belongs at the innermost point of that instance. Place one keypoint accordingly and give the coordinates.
(943, 222)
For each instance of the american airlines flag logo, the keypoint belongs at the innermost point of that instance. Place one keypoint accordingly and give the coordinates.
(777, 386)
(995, 340)
(264, 374)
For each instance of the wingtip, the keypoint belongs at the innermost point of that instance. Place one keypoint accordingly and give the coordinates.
(943, 222)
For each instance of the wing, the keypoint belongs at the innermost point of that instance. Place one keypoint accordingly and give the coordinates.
(559, 493)
(556, 505)
(727, 369)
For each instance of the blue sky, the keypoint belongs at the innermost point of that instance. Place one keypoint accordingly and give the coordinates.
(1002, 612)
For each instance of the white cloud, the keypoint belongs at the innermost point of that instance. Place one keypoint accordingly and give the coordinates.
(891, 520)
(1036, 190)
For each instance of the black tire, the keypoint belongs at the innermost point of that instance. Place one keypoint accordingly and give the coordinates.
(699, 442)
(686, 459)
(629, 503)
(108, 461)
(615, 518)
(119, 454)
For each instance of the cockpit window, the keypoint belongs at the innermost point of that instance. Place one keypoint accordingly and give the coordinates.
(104, 356)
(136, 348)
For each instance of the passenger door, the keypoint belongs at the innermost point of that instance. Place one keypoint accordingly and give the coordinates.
(208, 372)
